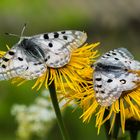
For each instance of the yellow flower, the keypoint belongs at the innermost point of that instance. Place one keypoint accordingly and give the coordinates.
(2, 53)
(70, 73)
(129, 114)
(128, 105)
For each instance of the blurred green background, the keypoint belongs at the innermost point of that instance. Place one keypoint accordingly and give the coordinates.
(115, 23)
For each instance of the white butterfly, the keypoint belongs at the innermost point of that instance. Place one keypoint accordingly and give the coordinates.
(112, 75)
(31, 56)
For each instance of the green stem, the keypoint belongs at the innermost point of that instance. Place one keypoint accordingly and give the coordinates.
(116, 127)
(133, 126)
(133, 134)
(57, 110)
(107, 125)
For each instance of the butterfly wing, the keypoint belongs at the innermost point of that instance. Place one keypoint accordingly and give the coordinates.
(109, 86)
(120, 57)
(112, 75)
(58, 46)
(16, 64)
(62, 39)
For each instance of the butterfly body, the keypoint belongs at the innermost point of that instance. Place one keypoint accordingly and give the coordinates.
(30, 57)
(112, 75)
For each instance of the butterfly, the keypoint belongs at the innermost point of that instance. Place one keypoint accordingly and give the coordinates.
(113, 75)
(31, 56)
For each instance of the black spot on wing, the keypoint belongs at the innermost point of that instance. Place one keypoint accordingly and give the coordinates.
(50, 45)
(65, 37)
(3, 66)
(11, 53)
(46, 59)
(48, 56)
(102, 91)
(114, 53)
(63, 32)
(116, 58)
(56, 35)
(20, 59)
(46, 36)
(103, 56)
(108, 55)
(5, 59)
(98, 79)
(109, 80)
(99, 86)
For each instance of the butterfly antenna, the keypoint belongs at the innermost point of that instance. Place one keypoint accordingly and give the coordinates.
(10, 34)
(19, 36)
(23, 29)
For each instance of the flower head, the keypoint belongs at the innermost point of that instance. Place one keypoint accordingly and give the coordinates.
(118, 97)
(70, 74)
(129, 102)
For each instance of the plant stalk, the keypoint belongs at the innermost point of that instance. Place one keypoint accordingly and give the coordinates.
(107, 125)
(133, 134)
(57, 111)
(116, 127)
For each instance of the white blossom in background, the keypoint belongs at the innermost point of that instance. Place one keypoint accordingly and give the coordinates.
(36, 119)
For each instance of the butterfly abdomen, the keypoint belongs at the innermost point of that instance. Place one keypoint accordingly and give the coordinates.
(104, 67)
